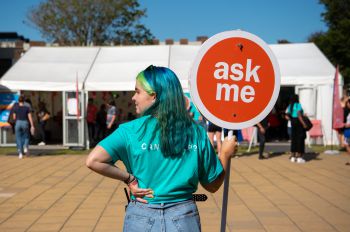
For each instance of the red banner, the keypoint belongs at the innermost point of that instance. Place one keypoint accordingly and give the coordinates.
(338, 116)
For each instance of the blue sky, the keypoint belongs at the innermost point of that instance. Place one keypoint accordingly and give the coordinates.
(271, 20)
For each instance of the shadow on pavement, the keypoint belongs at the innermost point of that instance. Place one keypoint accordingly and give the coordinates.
(308, 156)
(40, 152)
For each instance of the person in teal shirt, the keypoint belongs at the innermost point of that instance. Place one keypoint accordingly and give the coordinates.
(294, 114)
(166, 155)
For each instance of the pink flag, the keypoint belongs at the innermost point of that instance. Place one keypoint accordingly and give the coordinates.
(338, 115)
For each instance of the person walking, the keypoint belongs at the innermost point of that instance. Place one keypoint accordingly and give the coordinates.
(166, 155)
(43, 116)
(295, 113)
(23, 118)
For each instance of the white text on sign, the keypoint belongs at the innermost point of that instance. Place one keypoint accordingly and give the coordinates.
(247, 92)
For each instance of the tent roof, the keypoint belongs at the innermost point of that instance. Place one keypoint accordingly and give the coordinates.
(302, 64)
(181, 59)
(50, 68)
(115, 68)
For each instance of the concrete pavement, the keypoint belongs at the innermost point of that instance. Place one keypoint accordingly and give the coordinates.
(58, 193)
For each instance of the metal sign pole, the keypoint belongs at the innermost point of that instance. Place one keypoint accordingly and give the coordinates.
(225, 198)
(226, 187)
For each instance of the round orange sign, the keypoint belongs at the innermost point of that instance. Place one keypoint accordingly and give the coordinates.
(235, 79)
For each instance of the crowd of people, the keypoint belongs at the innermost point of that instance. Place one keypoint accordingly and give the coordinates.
(30, 125)
(102, 121)
(270, 128)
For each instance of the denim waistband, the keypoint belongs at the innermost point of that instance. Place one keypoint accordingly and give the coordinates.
(162, 205)
(22, 120)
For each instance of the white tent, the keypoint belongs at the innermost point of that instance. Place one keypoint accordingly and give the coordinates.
(305, 67)
(50, 69)
(303, 64)
(180, 62)
(115, 68)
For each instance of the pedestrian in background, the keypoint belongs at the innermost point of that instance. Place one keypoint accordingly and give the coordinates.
(43, 116)
(111, 117)
(295, 113)
(262, 128)
(23, 127)
(346, 130)
(91, 112)
(101, 124)
(345, 104)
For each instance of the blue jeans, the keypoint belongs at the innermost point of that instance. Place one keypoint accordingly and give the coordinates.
(22, 135)
(169, 217)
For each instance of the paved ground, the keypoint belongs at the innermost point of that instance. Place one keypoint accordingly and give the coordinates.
(58, 193)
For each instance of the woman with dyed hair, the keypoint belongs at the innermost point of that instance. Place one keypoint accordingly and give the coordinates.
(166, 155)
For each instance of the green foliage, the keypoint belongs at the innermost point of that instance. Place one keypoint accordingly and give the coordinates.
(86, 22)
(335, 43)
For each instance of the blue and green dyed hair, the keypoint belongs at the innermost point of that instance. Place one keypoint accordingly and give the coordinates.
(174, 122)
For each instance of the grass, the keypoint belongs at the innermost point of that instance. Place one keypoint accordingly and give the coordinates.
(321, 148)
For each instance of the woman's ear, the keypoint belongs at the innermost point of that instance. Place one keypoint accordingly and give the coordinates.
(154, 96)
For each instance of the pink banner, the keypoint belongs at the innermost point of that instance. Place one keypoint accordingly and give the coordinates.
(338, 116)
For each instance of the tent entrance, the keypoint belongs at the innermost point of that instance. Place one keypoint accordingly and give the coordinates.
(278, 130)
(73, 119)
(307, 98)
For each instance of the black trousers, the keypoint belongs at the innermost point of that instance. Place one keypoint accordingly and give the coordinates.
(91, 131)
(298, 137)
(100, 132)
(262, 140)
(42, 132)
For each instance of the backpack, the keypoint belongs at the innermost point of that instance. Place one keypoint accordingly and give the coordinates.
(307, 122)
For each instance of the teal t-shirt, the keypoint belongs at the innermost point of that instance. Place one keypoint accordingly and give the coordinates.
(294, 112)
(172, 179)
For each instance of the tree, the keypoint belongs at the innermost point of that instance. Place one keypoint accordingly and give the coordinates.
(87, 22)
(335, 43)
